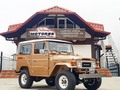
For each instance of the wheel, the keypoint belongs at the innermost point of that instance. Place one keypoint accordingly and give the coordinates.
(50, 81)
(65, 80)
(92, 83)
(25, 80)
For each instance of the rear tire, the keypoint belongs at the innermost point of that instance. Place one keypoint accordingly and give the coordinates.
(92, 83)
(65, 80)
(25, 80)
(50, 81)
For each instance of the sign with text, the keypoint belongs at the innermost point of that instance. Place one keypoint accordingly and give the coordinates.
(70, 33)
(66, 34)
(41, 32)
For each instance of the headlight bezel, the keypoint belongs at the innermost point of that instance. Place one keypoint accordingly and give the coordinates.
(93, 65)
(79, 64)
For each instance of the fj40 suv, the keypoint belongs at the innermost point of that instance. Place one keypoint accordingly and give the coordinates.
(55, 61)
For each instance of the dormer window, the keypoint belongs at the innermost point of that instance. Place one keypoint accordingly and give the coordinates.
(70, 24)
(52, 22)
(65, 23)
(49, 22)
(61, 23)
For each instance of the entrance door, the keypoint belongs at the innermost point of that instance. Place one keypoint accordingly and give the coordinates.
(61, 23)
(40, 59)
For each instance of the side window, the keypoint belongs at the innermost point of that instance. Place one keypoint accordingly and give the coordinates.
(26, 49)
(39, 48)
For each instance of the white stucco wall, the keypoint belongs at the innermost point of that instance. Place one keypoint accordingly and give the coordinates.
(83, 50)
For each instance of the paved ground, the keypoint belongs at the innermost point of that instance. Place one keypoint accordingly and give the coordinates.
(12, 84)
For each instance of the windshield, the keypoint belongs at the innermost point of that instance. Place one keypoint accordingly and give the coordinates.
(60, 47)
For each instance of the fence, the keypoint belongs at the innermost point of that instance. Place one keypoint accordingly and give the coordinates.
(7, 63)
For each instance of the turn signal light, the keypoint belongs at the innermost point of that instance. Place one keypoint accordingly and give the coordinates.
(73, 63)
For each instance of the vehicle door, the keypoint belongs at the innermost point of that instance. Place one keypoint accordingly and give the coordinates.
(40, 59)
(24, 57)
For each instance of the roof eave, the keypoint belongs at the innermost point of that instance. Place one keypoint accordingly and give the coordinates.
(73, 13)
(105, 33)
(55, 12)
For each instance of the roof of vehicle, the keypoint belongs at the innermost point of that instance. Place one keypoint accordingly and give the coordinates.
(40, 40)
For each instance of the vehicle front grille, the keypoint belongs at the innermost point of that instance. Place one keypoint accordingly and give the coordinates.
(86, 64)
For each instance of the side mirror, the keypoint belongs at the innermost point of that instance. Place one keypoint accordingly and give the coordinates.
(42, 51)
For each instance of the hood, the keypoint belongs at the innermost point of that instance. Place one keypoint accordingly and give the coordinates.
(69, 57)
(65, 57)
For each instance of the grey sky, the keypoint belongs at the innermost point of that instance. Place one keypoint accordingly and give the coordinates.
(106, 12)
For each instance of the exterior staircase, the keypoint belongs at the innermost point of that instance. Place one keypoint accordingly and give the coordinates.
(110, 56)
(112, 61)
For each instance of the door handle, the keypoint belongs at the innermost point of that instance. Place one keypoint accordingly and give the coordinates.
(34, 60)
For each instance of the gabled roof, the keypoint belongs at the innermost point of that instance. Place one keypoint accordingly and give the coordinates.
(56, 9)
(18, 29)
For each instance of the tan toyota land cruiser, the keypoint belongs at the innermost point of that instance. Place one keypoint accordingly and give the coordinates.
(55, 61)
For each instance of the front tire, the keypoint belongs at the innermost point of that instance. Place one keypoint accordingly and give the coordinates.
(25, 80)
(65, 80)
(92, 83)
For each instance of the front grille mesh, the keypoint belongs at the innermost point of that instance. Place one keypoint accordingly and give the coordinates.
(86, 64)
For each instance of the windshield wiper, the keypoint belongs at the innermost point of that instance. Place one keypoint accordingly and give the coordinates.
(64, 51)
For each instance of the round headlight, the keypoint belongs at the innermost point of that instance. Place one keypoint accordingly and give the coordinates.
(79, 64)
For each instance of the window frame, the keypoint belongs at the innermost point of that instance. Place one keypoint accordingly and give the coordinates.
(21, 51)
(71, 22)
(65, 21)
(58, 25)
(45, 22)
(44, 44)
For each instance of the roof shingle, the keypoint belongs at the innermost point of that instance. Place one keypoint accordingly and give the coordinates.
(96, 26)
(56, 9)
(14, 27)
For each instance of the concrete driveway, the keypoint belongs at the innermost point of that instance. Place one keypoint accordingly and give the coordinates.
(12, 84)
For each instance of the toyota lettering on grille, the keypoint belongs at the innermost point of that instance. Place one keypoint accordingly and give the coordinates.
(86, 64)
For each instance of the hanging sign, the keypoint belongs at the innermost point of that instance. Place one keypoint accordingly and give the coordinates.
(41, 32)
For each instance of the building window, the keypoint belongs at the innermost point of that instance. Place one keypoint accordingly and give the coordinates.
(42, 23)
(61, 23)
(26, 49)
(65, 23)
(70, 24)
(40, 46)
(50, 23)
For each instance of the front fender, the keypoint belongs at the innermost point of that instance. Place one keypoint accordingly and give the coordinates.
(59, 67)
(65, 64)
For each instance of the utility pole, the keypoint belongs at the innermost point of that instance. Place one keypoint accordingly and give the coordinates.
(1, 61)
